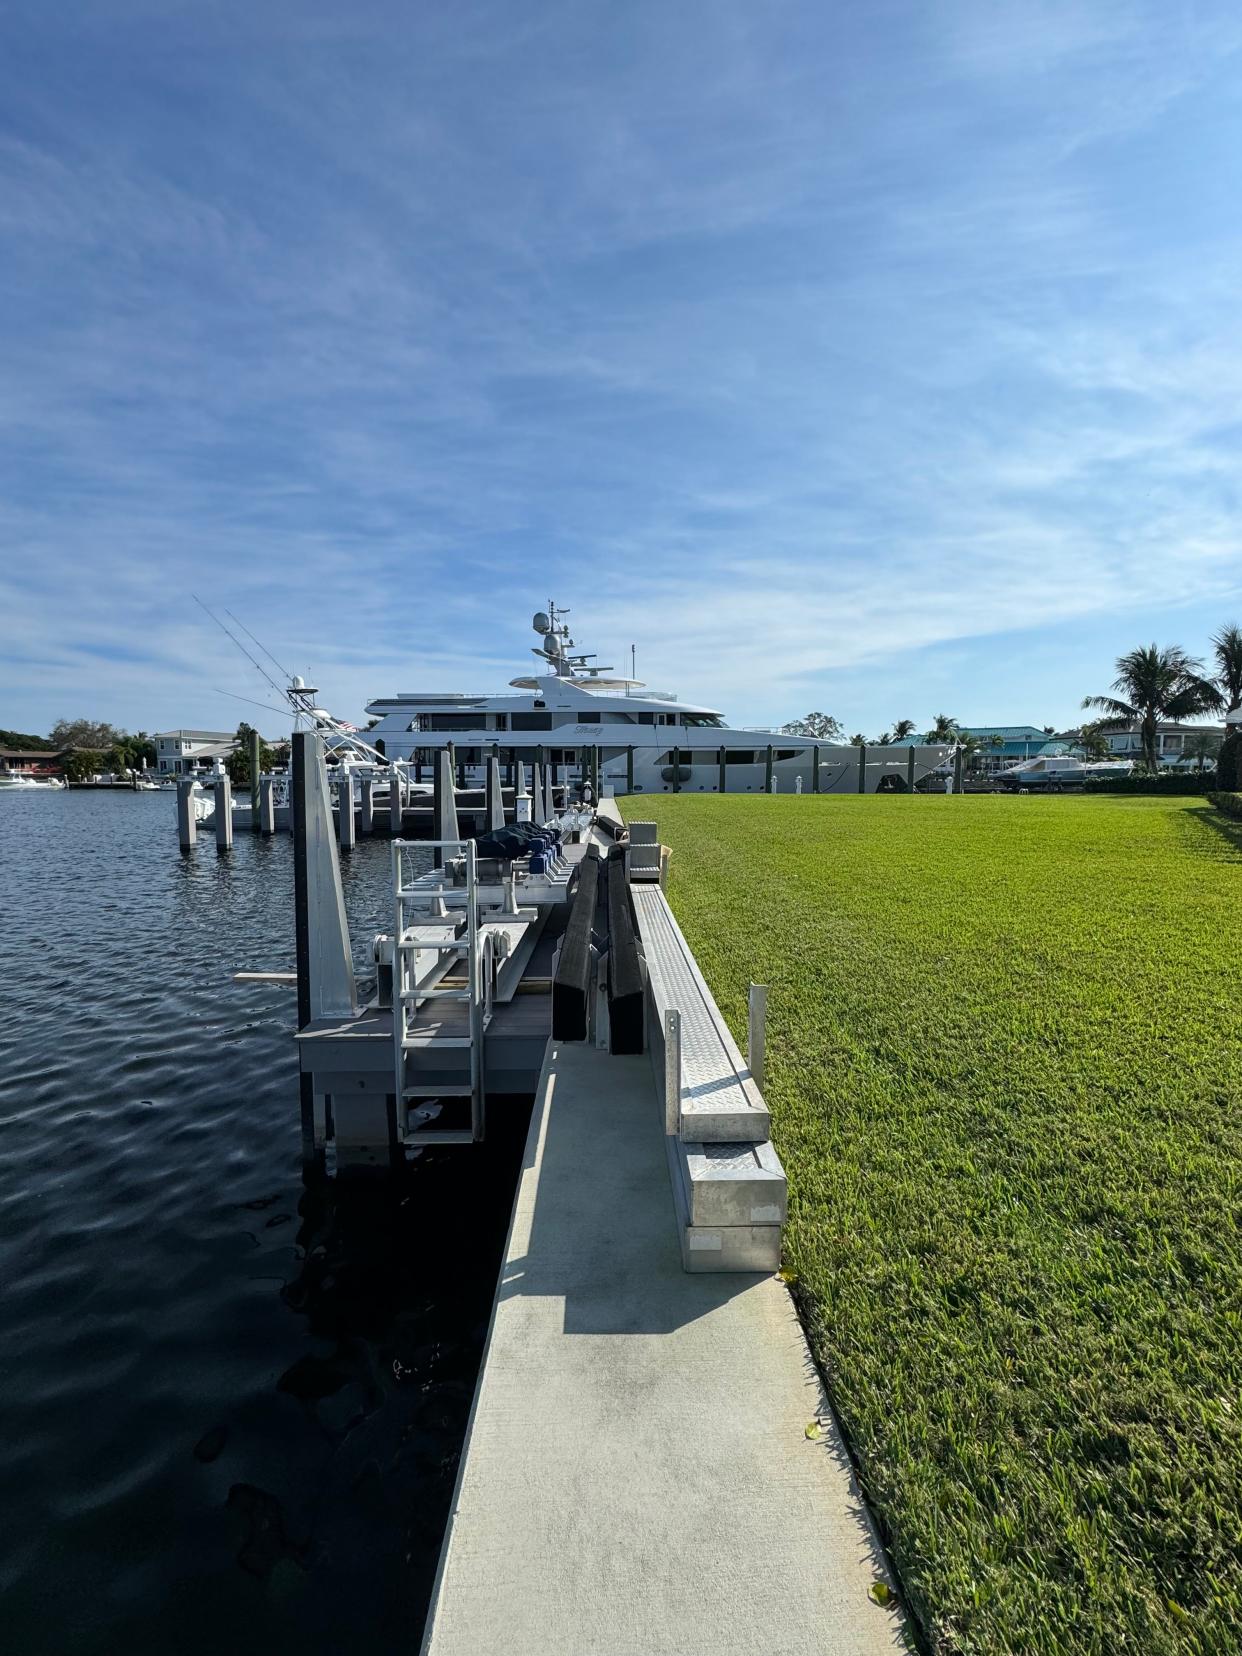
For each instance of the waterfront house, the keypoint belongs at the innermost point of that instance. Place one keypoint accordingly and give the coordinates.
(189, 752)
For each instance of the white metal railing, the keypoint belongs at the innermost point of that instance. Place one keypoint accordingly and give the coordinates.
(674, 1071)
(408, 995)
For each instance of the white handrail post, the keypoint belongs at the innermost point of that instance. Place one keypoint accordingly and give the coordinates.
(672, 1072)
(757, 1032)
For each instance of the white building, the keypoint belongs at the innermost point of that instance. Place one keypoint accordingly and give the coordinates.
(187, 752)
(1176, 743)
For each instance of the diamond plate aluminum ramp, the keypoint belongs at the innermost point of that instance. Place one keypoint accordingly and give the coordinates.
(719, 1099)
(729, 1188)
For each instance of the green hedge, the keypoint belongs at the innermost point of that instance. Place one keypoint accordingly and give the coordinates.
(1229, 803)
(1169, 784)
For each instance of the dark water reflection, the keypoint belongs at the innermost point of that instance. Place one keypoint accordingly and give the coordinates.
(232, 1406)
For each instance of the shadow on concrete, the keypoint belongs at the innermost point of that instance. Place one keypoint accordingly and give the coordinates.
(601, 1229)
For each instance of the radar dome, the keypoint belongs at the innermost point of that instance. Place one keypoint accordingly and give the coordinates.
(542, 623)
(299, 683)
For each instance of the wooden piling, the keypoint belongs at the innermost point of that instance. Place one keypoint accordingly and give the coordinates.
(767, 777)
(862, 768)
(367, 810)
(187, 826)
(910, 770)
(267, 805)
(721, 785)
(254, 781)
(224, 814)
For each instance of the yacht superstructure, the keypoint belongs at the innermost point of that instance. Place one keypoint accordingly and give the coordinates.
(648, 741)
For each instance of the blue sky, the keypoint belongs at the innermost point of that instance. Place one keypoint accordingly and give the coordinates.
(882, 359)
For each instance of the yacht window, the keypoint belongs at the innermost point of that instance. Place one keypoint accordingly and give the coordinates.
(646, 718)
(588, 718)
(709, 720)
(531, 721)
(502, 721)
(454, 721)
(786, 753)
(740, 756)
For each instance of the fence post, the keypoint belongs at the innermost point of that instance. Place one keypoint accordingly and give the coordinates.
(757, 1032)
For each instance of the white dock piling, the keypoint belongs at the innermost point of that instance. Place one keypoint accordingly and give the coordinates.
(367, 810)
(224, 814)
(346, 825)
(445, 826)
(187, 828)
(495, 814)
(549, 803)
(757, 1032)
(521, 799)
(536, 794)
(267, 805)
(394, 799)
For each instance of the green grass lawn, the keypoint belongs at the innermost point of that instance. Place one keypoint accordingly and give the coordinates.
(1005, 1075)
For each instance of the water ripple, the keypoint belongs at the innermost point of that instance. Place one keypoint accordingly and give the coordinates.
(233, 1405)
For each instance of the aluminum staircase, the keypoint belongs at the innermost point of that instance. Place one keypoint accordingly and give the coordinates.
(443, 983)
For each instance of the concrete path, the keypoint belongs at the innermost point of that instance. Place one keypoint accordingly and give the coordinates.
(637, 1477)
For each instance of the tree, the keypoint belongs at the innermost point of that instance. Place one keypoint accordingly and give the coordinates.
(858, 739)
(821, 725)
(84, 733)
(945, 729)
(1093, 742)
(238, 762)
(1202, 745)
(1227, 648)
(1154, 685)
(903, 730)
(1229, 762)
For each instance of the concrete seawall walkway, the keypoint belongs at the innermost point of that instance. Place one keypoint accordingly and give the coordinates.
(637, 1477)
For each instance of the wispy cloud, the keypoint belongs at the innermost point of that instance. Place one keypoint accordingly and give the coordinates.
(792, 347)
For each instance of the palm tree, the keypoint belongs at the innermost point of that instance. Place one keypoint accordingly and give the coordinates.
(903, 730)
(1227, 648)
(1202, 745)
(858, 739)
(1153, 685)
(1093, 742)
(945, 729)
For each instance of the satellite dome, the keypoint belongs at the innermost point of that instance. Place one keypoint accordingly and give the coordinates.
(542, 622)
(299, 683)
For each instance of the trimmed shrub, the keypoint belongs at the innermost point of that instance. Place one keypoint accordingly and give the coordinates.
(1229, 803)
(1167, 784)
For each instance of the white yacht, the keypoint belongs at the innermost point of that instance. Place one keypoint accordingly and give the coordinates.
(648, 741)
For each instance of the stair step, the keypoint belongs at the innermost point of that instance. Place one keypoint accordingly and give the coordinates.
(429, 1043)
(439, 1135)
(451, 945)
(432, 1090)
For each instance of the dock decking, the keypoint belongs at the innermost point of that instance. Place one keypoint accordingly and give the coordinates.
(637, 1477)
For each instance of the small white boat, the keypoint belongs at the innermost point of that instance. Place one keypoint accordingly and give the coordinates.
(12, 780)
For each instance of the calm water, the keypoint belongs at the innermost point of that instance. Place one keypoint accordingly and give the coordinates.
(232, 1408)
